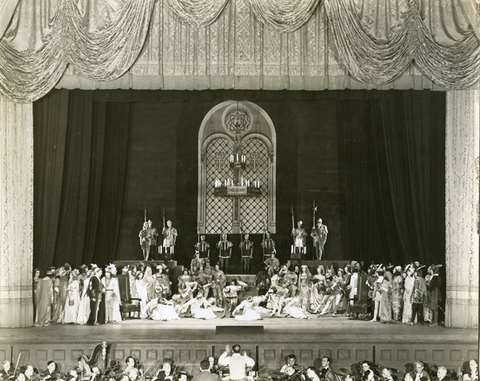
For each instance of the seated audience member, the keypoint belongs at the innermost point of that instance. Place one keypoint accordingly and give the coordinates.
(420, 374)
(291, 362)
(291, 374)
(131, 363)
(7, 371)
(183, 376)
(205, 373)
(387, 374)
(472, 372)
(51, 372)
(29, 373)
(212, 364)
(167, 370)
(311, 374)
(442, 374)
(131, 374)
(326, 371)
(367, 371)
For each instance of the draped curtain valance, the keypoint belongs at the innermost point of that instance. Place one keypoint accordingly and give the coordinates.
(239, 44)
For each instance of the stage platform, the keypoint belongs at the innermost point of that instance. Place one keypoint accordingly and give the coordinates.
(268, 341)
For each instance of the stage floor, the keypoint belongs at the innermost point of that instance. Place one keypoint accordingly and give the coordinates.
(194, 330)
(268, 341)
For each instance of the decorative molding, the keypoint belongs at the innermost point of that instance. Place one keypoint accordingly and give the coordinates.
(461, 207)
(16, 214)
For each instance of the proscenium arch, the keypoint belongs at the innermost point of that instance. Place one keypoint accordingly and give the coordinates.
(212, 128)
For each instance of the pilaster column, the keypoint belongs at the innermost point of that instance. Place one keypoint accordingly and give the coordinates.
(462, 207)
(16, 213)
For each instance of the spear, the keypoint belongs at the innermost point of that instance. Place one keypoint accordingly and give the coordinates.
(264, 233)
(293, 223)
(314, 209)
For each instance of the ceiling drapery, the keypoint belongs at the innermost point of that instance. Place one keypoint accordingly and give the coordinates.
(240, 44)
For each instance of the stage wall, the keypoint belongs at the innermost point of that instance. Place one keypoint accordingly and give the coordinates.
(326, 145)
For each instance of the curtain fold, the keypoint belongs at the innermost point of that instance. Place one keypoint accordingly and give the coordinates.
(82, 150)
(7, 8)
(241, 44)
(393, 162)
(51, 115)
(100, 43)
(197, 13)
(283, 15)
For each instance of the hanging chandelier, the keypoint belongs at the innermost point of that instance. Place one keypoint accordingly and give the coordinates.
(237, 121)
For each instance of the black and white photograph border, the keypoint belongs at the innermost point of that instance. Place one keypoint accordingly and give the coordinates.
(288, 188)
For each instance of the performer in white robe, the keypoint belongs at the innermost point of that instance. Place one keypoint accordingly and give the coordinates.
(84, 307)
(162, 309)
(200, 307)
(112, 295)
(72, 302)
(293, 308)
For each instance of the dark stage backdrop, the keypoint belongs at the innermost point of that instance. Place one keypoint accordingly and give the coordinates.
(373, 161)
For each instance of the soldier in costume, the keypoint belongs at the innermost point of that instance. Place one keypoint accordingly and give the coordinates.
(224, 247)
(268, 246)
(144, 241)
(203, 247)
(152, 233)
(319, 235)
(299, 241)
(246, 253)
(170, 235)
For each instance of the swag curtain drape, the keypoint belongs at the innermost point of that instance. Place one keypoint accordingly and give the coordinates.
(81, 155)
(240, 44)
(394, 164)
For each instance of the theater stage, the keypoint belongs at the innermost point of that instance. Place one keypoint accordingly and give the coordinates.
(269, 341)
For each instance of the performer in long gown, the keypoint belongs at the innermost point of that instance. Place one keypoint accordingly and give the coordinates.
(385, 303)
(434, 293)
(57, 306)
(408, 285)
(112, 295)
(149, 282)
(317, 289)
(304, 286)
(142, 294)
(200, 307)
(72, 302)
(36, 279)
(397, 293)
(84, 306)
(44, 300)
(162, 309)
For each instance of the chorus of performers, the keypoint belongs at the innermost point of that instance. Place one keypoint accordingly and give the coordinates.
(407, 294)
(232, 364)
(148, 238)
